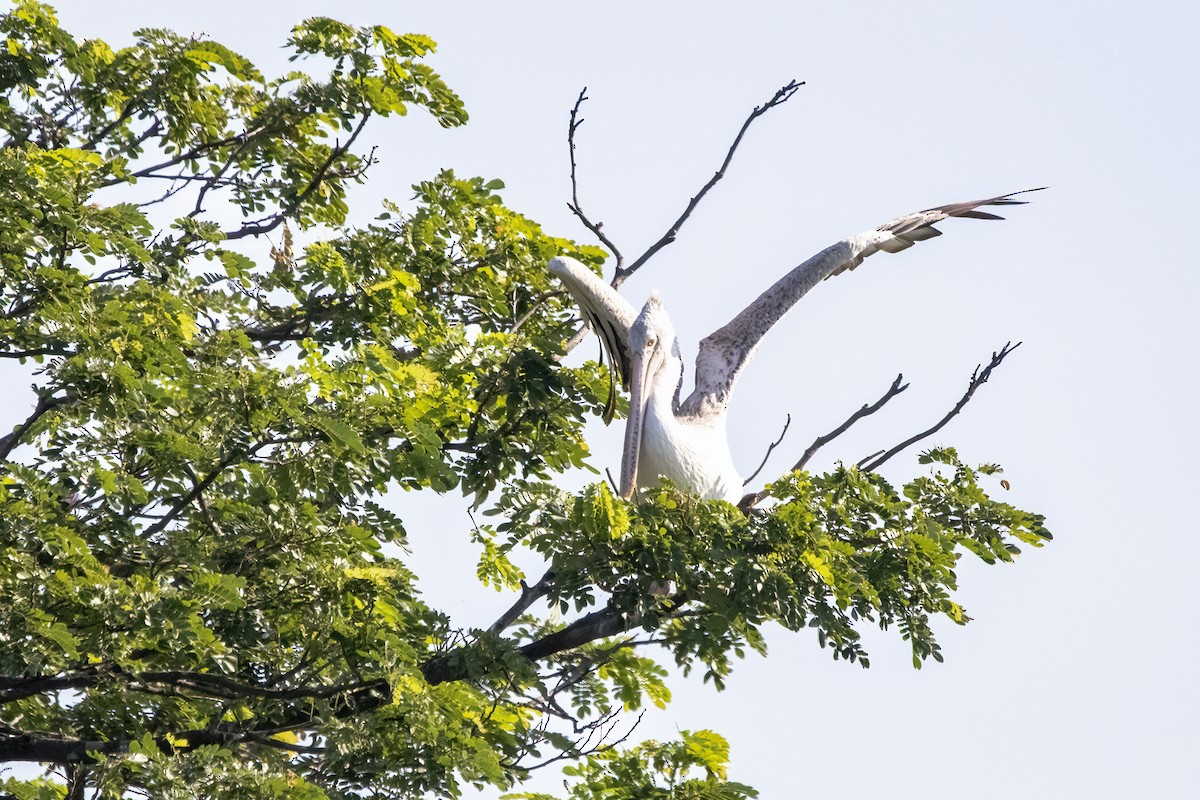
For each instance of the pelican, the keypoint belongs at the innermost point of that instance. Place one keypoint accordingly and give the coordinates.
(685, 440)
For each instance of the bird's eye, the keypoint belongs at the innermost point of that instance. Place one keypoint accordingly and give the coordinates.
(651, 342)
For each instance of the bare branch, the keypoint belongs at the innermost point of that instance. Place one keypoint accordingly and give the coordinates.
(588, 745)
(770, 448)
(893, 390)
(595, 227)
(781, 96)
(753, 499)
(978, 378)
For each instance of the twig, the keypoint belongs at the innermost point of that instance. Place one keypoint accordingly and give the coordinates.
(584, 747)
(893, 390)
(595, 227)
(867, 458)
(978, 378)
(272, 222)
(203, 485)
(753, 499)
(212, 523)
(770, 447)
(781, 96)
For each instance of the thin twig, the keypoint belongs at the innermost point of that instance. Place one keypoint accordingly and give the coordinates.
(978, 378)
(781, 96)
(753, 499)
(893, 390)
(595, 227)
(271, 223)
(203, 485)
(770, 448)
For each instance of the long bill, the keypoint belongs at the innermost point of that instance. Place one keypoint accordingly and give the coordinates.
(639, 398)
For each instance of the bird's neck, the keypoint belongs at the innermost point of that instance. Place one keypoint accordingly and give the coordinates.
(664, 389)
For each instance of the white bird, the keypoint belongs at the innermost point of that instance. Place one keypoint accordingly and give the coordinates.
(686, 440)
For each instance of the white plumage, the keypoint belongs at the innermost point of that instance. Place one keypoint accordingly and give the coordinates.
(686, 440)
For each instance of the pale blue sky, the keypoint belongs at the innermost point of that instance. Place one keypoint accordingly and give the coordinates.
(1076, 678)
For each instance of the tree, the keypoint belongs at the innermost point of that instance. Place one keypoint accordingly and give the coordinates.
(203, 593)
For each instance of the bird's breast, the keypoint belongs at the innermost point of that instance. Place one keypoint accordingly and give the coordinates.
(692, 452)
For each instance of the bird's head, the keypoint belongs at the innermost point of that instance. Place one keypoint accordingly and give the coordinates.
(652, 329)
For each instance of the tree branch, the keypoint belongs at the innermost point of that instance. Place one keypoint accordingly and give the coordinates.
(753, 499)
(271, 223)
(351, 699)
(190, 155)
(40, 351)
(770, 448)
(893, 390)
(125, 114)
(10, 440)
(12, 689)
(529, 596)
(595, 227)
(781, 96)
(978, 378)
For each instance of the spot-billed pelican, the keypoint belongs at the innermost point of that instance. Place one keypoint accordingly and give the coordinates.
(686, 440)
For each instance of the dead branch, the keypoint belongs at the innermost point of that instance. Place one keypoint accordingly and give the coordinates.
(893, 390)
(770, 448)
(753, 499)
(978, 378)
(596, 228)
(780, 97)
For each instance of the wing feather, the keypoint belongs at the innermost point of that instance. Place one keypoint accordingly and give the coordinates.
(609, 315)
(724, 354)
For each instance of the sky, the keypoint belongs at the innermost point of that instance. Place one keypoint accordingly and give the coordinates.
(1076, 677)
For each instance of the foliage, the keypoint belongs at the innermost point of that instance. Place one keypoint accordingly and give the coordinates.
(205, 595)
(656, 771)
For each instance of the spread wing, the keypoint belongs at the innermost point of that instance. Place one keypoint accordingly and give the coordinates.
(609, 314)
(725, 353)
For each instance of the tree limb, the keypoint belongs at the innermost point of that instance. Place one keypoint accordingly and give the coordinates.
(10, 440)
(978, 378)
(781, 96)
(274, 221)
(529, 596)
(351, 699)
(40, 351)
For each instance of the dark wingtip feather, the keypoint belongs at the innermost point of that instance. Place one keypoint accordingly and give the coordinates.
(976, 214)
